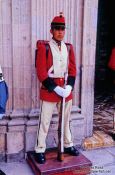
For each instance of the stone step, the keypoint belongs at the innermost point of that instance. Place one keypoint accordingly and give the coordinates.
(99, 139)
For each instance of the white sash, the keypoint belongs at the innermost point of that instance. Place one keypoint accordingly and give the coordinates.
(59, 59)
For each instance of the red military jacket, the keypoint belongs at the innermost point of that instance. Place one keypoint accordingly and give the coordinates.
(43, 64)
(111, 63)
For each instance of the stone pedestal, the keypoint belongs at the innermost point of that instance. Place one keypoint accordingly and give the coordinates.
(71, 165)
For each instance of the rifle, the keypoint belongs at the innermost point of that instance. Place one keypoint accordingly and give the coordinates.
(60, 155)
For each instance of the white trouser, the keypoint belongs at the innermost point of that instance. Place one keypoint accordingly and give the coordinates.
(44, 123)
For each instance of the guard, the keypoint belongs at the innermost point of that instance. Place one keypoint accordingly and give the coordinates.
(50, 72)
(111, 66)
(3, 95)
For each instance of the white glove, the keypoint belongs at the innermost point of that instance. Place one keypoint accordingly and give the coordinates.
(67, 91)
(63, 92)
(59, 90)
(0, 69)
(1, 76)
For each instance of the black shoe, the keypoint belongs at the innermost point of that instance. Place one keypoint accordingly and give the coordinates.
(40, 158)
(72, 151)
(2, 173)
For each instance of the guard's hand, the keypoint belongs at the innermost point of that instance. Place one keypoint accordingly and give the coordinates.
(60, 91)
(67, 91)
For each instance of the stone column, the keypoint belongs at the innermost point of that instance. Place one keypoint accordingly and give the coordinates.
(21, 43)
(88, 63)
(6, 48)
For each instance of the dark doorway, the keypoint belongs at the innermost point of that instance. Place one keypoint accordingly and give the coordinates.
(105, 42)
(104, 88)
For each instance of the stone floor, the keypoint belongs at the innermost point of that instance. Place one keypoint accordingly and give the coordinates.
(104, 110)
(103, 160)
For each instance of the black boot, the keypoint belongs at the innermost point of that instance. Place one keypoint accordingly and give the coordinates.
(72, 151)
(2, 173)
(40, 158)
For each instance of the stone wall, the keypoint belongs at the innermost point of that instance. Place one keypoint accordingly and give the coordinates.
(18, 136)
(22, 23)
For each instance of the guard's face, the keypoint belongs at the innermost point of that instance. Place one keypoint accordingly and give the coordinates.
(58, 33)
